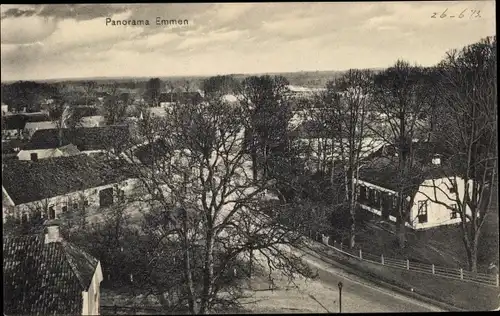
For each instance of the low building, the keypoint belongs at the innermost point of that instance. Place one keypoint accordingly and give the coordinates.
(170, 98)
(429, 193)
(46, 275)
(63, 151)
(86, 139)
(53, 186)
(93, 121)
(31, 127)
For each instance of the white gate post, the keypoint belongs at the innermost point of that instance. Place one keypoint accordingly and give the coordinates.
(360, 254)
(433, 269)
(407, 264)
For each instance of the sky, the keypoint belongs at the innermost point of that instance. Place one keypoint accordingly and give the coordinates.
(73, 41)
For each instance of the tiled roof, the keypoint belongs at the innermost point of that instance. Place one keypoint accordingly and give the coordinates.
(84, 138)
(423, 151)
(383, 172)
(18, 121)
(44, 279)
(27, 181)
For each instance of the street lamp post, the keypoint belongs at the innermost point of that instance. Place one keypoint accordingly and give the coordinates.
(340, 297)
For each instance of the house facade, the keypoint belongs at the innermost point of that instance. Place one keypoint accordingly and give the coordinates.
(46, 275)
(68, 150)
(433, 202)
(59, 186)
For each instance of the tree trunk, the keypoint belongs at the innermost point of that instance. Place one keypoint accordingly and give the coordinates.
(208, 276)
(472, 255)
(352, 206)
(251, 264)
(60, 135)
(188, 272)
(401, 233)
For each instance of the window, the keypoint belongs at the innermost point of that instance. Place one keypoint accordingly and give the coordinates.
(86, 202)
(64, 209)
(24, 218)
(105, 197)
(454, 213)
(34, 156)
(75, 206)
(376, 198)
(362, 193)
(52, 212)
(422, 212)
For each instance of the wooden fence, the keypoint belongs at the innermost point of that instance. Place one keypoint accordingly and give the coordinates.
(452, 273)
(131, 310)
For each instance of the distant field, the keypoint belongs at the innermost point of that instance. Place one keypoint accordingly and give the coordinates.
(312, 79)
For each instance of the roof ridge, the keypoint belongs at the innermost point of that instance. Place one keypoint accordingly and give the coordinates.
(65, 244)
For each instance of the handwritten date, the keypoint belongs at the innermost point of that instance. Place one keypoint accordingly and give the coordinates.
(467, 13)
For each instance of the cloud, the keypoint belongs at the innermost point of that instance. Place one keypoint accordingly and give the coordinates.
(26, 29)
(73, 40)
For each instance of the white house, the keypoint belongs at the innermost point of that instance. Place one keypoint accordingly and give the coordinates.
(32, 127)
(92, 121)
(51, 187)
(5, 108)
(60, 279)
(68, 150)
(431, 193)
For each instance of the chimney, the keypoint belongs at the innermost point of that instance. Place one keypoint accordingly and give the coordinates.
(52, 231)
(436, 160)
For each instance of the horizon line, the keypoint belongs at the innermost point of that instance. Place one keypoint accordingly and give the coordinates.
(181, 76)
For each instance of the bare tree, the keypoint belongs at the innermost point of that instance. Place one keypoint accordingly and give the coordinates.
(63, 116)
(467, 130)
(201, 188)
(115, 107)
(264, 99)
(153, 90)
(354, 139)
(400, 97)
(89, 90)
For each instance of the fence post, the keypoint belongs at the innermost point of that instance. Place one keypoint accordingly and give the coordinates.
(433, 269)
(382, 257)
(341, 243)
(360, 254)
(498, 281)
(461, 274)
(407, 264)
